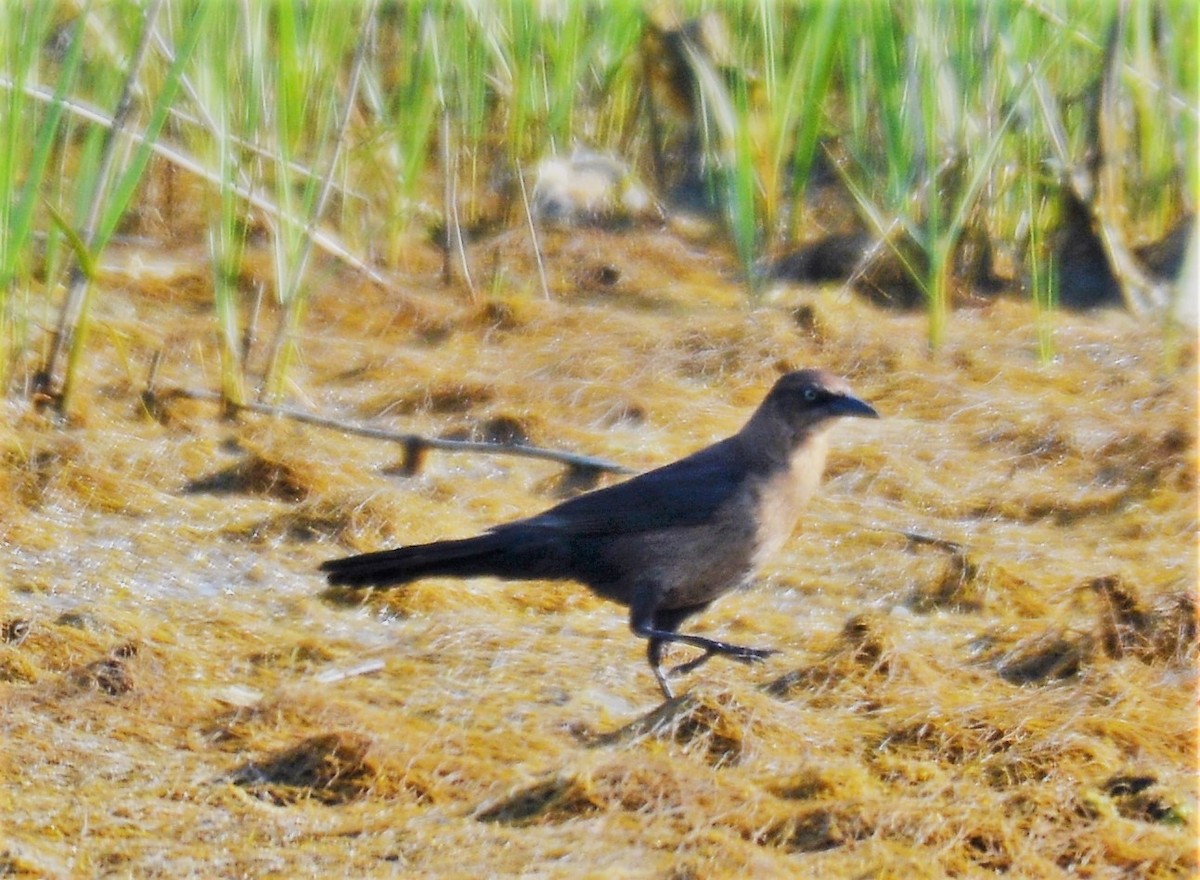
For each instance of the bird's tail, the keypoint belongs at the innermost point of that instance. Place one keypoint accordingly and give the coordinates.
(486, 554)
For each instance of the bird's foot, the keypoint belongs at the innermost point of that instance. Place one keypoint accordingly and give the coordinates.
(743, 654)
(740, 653)
(691, 665)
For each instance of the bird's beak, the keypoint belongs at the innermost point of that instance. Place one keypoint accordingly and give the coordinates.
(849, 405)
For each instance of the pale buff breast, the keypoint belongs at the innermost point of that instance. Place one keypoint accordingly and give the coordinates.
(782, 496)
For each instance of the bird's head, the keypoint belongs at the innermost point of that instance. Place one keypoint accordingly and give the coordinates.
(805, 399)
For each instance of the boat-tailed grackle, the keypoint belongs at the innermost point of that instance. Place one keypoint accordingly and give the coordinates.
(667, 542)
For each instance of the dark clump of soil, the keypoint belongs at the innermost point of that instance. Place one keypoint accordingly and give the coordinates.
(448, 399)
(1051, 656)
(255, 474)
(818, 828)
(862, 650)
(503, 430)
(1128, 627)
(711, 726)
(551, 801)
(110, 674)
(332, 768)
(1141, 798)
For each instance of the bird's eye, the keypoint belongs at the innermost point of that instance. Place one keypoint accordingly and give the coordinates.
(810, 394)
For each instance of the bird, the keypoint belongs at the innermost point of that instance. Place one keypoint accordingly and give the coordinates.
(666, 543)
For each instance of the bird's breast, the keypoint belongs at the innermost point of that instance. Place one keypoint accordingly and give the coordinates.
(781, 495)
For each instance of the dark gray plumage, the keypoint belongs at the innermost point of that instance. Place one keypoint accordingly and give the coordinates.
(665, 543)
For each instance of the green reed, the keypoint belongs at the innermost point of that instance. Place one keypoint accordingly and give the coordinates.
(113, 176)
(25, 154)
(334, 126)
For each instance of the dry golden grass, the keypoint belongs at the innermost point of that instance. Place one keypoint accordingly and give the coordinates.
(1017, 696)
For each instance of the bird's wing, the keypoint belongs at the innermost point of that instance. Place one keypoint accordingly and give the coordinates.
(686, 492)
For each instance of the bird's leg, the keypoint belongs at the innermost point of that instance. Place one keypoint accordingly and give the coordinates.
(741, 653)
(692, 665)
(654, 655)
(659, 627)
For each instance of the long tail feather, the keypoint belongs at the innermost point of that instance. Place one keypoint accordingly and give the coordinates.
(503, 554)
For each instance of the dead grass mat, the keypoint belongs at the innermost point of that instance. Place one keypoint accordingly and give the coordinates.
(1017, 695)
